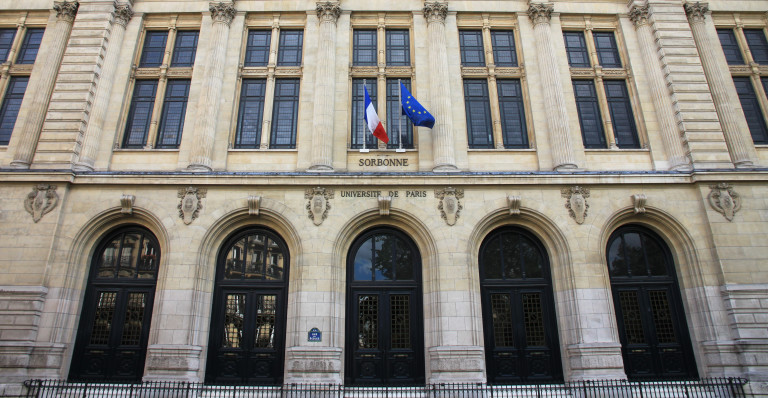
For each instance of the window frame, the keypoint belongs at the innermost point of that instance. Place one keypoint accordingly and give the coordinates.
(283, 48)
(169, 137)
(357, 48)
(242, 104)
(26, 46)
(14, 107)
(293, 100)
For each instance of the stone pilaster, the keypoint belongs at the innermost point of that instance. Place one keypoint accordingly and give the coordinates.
(213, 76)
(122, 15)
(38, 94)
(322, 135)
(443, 142)
(557, 118)
(727, 104)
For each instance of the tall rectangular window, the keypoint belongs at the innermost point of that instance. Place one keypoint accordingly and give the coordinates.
(364, 47)
(185, 48)
(257, 47)
(398, 46)
(289, 51)
(285, 114)
(607, 50)
(512, 112)
(397, 123)
(30, 46)
(17, 85)
(503, 42)
(751, 106)
(758, 45)
(576, 48)
(730, 46)
(623, 119)
(360, 130)
(250, 113)
(476, 103)
(6, 41)
(172, 116)
(140, 114)
(471, 44)
(153, 50)
(589, 114)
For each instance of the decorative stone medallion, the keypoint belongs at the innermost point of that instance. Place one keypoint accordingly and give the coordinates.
(41, 200)
(724, 199)
(449, 204)
(318, 203)
(576, 202)
(190, 204)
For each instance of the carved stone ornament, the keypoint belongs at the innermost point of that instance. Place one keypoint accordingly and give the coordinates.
(576, 202)
(123, 14)
(724, 199)
(41, 200)
(513, 203)
(126, 204)
(222, 12)
(449, 204)
(65, 10)
(435, 11)
(696, 11)
(190, 204)
(540, 12)
(318, 203)
(385, 202)
(639, 14)
(638, 201)
(328, 11)
(254, 205)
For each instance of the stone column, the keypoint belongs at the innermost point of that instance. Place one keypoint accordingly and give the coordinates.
(557, 118)
(727, 104)
(213, 75)
(325, 86)
(122, 14)
(38, 94)
(440, 95)
(661, 101)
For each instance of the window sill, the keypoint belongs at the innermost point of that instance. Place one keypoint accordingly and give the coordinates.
(145, 150)
(616, 150)
(501, 149)
(262, 150)
(388, 150)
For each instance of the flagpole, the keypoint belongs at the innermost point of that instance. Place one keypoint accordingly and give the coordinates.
(400, 119)
(365, 87)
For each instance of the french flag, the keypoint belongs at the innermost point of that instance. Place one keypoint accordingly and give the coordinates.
(374, 124)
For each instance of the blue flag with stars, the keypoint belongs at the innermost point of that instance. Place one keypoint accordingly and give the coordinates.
(413, 109)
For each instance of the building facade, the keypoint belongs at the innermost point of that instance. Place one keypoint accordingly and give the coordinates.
(189, 191)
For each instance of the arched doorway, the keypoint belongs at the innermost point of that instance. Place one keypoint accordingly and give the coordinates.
(655, 342)
(520, 330)
(247, 335)
(111, 343)
(385, 333)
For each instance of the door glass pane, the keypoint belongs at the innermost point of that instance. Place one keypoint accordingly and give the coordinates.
(633, 252)
(531, 259)
(534, 319)
(501, 314)
(662, 316)
(616, 264)
(274, 259)
(382, 257)
(233, 320)
(400, 322)
(148, 262)
(364, 261)
(134, 318)
(233, 269)
(630, 311)
(511, 252)
(492, 260)
(403, 262)
(657, 260)
(254, 257)
(102, 319)
(265, 321)
(128, 255)
(108, 259)
(368, 315)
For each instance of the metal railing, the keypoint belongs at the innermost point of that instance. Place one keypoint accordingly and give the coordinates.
(714, 388)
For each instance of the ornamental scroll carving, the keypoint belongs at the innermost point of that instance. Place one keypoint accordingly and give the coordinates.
(449, 204)
(318, 203)
(385, 203)
(435, 11)
(328, 11)
(513, 204)
(576, 202)
(41, 201)
(696, 11)
(724, 200)
(540, 12)
(222, 12)
(65, 10)
(126, 204)
(638, 202)
(123, 14)
(191, 203)
(254, 205)
(639, 14)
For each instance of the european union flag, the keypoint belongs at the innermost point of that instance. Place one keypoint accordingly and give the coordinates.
(413, 109)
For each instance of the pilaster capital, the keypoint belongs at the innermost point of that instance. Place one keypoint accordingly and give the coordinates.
(639, 14)
(435, 11)
(328, 11)
(696, 11)
(123, 14)
(222, 12)
(540, 12)
(65, 10)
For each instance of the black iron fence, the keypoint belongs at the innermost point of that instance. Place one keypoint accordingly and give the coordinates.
(704, 388)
